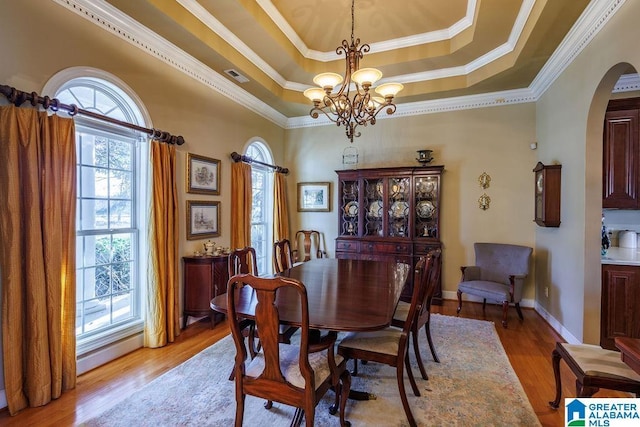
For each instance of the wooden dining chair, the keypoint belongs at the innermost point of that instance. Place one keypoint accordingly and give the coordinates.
(390, 345)
(424, 314)
(296, 375)
(245, 261)
(282, 255)
(308, 244)
(283, 260)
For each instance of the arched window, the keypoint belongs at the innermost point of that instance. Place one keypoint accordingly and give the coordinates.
(111, 199)
(262, 205)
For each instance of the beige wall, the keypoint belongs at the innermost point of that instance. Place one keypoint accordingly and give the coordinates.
(211, 124)
(569, 128)
(492, 140)
(566, 122)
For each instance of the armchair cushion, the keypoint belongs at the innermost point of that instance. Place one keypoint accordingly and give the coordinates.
(488, 290)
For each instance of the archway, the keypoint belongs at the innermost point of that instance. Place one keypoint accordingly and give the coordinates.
(593, 200)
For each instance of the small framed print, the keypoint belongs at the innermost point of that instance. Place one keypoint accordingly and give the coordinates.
(203, 219)
(203, 175)
(314, 197)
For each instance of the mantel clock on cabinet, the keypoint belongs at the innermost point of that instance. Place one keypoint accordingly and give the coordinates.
(547, 195)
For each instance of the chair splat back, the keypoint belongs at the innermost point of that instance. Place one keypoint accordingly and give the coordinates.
(311, 246)
(243, 261)
(283, 372)
(282, 255)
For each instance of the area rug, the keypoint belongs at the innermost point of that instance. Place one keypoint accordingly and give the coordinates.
(474, 385)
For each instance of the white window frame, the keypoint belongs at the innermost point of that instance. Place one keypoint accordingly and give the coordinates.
(121, 338)
(264, 253)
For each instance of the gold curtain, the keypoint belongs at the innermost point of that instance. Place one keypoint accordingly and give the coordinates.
(280, 209)
(162, 318)
(37, 255)
(241, 196)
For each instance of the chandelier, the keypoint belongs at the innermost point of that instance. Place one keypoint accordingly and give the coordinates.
(353, 104)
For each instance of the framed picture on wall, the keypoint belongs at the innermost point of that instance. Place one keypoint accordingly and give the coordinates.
(203, 219)
(203, 175)
(314, 196)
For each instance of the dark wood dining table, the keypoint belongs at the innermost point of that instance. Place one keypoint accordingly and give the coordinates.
(343, 294)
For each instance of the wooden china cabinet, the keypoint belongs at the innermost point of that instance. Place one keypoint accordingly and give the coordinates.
(390, 214)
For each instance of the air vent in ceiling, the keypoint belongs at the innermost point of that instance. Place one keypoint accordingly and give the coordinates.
(236, 75)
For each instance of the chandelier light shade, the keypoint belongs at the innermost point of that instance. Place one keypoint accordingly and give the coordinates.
(352, 104)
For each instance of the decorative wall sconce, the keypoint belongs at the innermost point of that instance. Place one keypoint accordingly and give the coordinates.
(484, 180)
(484, 201)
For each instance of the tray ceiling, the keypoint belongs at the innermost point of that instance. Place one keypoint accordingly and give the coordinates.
(436, 48)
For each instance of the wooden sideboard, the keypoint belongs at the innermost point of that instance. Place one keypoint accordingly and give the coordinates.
(205, 277)
(390, 214)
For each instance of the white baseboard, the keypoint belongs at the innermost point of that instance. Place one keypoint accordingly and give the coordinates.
(555, 324)
(528, 303)
(99, 357)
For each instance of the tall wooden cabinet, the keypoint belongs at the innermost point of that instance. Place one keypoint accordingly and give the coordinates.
(390, 214)
(621, 155)
(620, 299)
(205, 277)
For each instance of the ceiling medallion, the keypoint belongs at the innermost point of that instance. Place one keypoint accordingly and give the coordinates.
(352, 106)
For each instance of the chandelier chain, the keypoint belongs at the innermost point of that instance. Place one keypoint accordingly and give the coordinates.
(353, 19)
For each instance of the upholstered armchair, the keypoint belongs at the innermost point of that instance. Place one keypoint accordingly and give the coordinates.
(498, 275)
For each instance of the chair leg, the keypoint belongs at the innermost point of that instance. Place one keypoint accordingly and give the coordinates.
(582, 391)
(297, 418)
(459, 302)
(519, 311)
(484, 304)
(412, 379)
(403, 394)
(427, 329)
(239, 407)
(355, 368)
(505, 308)
(416, 351)
(345, 380)
(555, 361)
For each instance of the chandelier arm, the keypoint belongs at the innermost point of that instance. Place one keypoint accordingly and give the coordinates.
(314, 114)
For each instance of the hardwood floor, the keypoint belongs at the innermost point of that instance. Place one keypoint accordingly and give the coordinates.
(528, 345)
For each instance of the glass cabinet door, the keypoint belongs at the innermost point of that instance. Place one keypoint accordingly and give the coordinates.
(349, 207)
(373, 206)
(398, 202)
(427, 189)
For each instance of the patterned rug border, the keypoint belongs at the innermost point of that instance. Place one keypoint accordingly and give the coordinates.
(474, 384)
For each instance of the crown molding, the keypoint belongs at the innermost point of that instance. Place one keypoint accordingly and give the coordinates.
(627, 83)
(110, 19)
(592, 20)
(121, 25)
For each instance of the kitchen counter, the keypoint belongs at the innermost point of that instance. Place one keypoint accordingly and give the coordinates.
(621, 256)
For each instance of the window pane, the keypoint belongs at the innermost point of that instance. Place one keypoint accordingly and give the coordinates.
(120, 215)
(94, 182)
(121, 155)
(120, 184)
(94, 214)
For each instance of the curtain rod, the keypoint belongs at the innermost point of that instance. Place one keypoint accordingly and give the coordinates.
(241, 158)
(18, 97)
